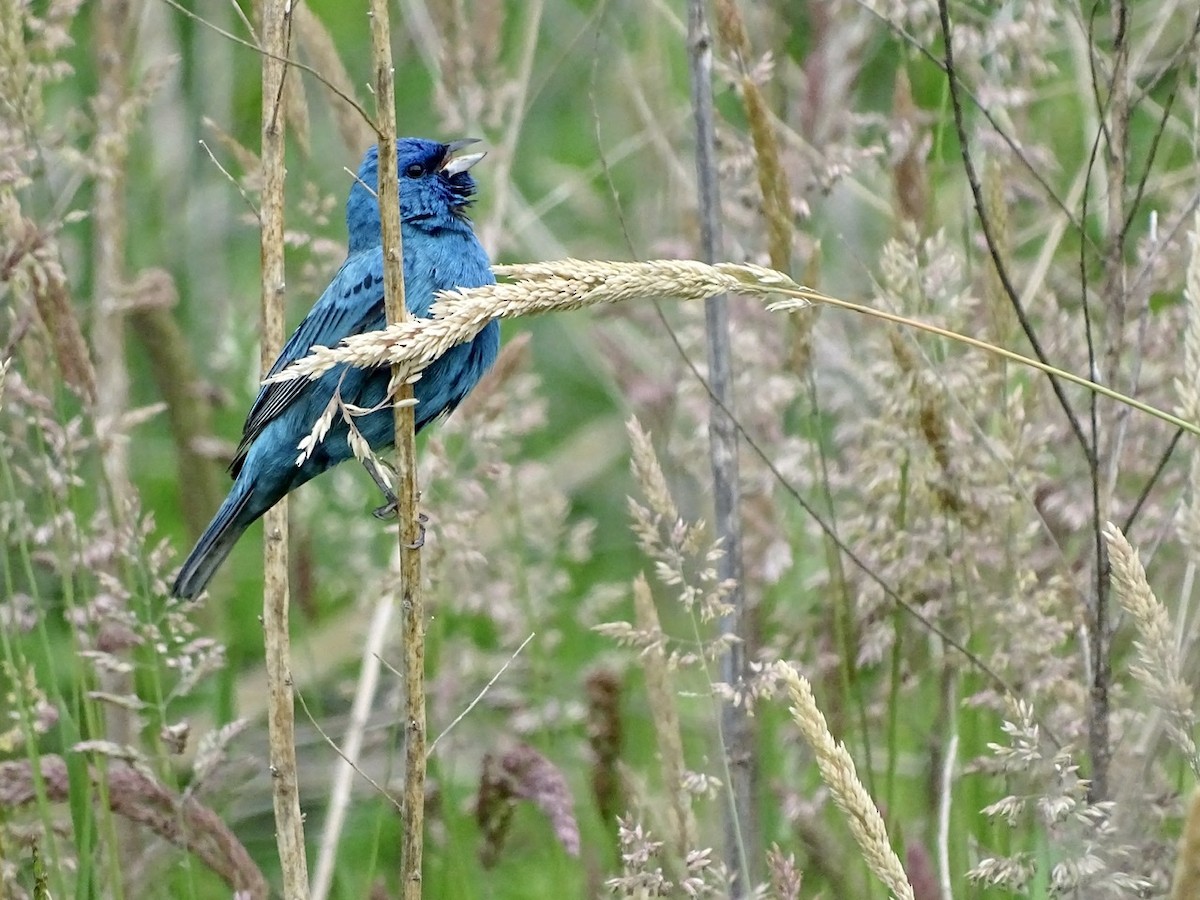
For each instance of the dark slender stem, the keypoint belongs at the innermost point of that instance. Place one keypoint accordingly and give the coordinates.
(988, 232)
(722, 432)
(1151, 482)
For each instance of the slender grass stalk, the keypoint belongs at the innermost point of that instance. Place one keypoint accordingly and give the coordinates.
(560, 285)
(412, 602)
(736, 734)
(370, 665)
(289, 825)
(113, 42)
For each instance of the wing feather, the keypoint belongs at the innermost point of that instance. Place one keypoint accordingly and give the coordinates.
(352, 303)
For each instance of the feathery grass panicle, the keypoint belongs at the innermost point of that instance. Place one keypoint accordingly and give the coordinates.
(838, 772)
(457, 316)
(1158, 668)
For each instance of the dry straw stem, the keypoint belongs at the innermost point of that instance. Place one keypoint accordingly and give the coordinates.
(1186, 883)
(567, 284)
(667, 732)
(281, 723)
(412, 601)
(1158, 666)
(837, 771)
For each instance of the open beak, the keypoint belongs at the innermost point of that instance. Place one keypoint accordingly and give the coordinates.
(453, 165)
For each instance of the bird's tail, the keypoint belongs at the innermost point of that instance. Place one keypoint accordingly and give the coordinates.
(216, 542)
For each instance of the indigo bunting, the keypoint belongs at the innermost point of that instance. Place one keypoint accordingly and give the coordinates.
(440, 252)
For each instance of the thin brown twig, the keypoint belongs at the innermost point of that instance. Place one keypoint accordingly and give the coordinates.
(289, 823)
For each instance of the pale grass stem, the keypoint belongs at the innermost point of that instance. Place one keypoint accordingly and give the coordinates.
(281, 714)
(838, 772)
(665, 716)
(360, 713)
(412, 596)
(1186, 882)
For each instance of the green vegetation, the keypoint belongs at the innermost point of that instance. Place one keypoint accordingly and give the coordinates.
(925, 534)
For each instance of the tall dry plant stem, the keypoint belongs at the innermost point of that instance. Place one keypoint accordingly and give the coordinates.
(1106, 441)
(112, 49)
(412, 601)
(275, 29)
(736, 738)
(113, 45)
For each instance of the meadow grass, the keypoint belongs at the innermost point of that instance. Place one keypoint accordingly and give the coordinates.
(969, 629)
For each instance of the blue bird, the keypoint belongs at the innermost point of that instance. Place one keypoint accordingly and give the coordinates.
(440, 252)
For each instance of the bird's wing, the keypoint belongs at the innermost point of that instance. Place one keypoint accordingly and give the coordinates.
(352, 303)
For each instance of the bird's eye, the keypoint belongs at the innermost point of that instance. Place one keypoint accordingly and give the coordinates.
(416, 170)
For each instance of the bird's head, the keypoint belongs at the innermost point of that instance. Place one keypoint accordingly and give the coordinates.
(435, 189)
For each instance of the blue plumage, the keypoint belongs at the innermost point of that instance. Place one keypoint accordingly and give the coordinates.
(440, 252)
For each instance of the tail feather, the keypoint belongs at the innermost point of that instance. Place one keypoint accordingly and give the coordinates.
(214, 545)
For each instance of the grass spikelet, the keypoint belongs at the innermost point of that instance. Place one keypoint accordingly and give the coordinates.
(1158, 666)
(1187, 387)
(772, 177)
(535, 288)
(34, 265)
(1002, 321)
(838, 772)
(522, 774)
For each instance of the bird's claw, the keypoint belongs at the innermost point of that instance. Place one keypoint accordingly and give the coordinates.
(422, 520)
(388, 511)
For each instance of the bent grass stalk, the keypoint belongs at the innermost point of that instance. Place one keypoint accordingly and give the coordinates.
(539, 288)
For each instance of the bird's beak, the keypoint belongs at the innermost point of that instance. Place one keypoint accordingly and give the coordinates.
(453, 165)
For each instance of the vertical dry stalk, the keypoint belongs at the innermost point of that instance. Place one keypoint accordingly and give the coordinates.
(112, 24)
(1107, 452)
(346, 767)
(735, 726)
(666, 724)
(412, 602)
(1186, 881)
(275, 30)
(113, 44)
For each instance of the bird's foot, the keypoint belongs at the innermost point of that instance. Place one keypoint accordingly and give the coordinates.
(422, 521)
(376, 470)
(388, 511)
